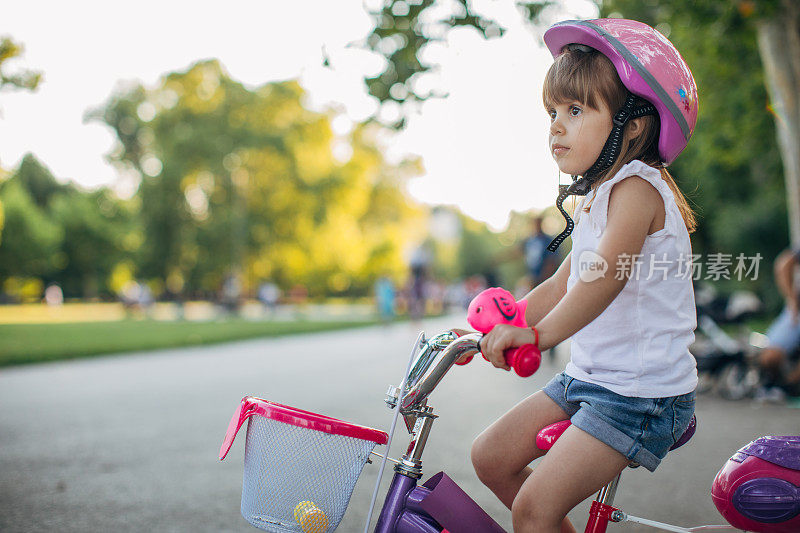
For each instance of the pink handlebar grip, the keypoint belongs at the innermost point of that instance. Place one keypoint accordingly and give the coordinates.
(525, 359)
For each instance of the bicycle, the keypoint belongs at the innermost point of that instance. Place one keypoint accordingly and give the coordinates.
(308, 491)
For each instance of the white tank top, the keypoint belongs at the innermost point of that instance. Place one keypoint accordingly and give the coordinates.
(639, 345)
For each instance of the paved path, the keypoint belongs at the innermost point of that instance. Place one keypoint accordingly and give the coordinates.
(129, 443)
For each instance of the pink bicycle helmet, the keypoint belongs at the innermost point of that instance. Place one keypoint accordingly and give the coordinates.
(648, 65)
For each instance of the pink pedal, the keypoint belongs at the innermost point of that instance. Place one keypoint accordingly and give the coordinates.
(550, 434)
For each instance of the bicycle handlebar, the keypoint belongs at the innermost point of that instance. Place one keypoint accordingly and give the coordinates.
(442, 351)
(525, 359)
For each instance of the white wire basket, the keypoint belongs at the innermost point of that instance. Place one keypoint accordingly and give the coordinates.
(300, 468)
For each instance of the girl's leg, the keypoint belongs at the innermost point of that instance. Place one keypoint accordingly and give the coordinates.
(577, 466)
(501, 453)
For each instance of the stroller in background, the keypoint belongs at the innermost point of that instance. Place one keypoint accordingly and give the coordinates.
(727, 364)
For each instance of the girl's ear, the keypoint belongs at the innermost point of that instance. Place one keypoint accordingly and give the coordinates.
(634, 128)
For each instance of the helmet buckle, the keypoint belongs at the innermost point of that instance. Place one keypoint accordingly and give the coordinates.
(622, 116)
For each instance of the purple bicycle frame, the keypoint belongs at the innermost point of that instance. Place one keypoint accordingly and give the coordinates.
(437, 505)
(401, 512)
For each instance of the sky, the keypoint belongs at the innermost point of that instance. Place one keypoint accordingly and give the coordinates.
(484, 147)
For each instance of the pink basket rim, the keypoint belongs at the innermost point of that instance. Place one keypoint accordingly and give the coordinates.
(318, 422)
(250, 405)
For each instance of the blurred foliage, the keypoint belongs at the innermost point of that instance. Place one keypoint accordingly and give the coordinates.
(2, 212)
(59, 233)
(239, 181)
(31, 240)
(476, 251)
(25, 79)
(95, 228)
(24, 289)
(37, 181)
(21, 79)
(402, 30)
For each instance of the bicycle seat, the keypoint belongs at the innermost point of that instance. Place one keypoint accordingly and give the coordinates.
(686, 434)
(550, 434)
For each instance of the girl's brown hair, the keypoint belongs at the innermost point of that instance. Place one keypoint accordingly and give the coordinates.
(569, 80)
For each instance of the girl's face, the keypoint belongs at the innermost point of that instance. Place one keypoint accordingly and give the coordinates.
(577, 135)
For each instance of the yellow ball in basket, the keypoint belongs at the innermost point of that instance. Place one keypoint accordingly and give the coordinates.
(310, 517)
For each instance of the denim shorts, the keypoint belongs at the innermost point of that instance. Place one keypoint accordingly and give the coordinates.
(783, 334)
(641, 429)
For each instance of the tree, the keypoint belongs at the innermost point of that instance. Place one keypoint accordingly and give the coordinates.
(778, 27)
(59, 233)
(238, 181)
(30, 239)
(24, 79)
(3, 174)
(402, 30)
(38, 181)
(96, 227)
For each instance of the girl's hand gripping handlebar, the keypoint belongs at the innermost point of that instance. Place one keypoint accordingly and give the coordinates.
(525, 359)
(497, 306)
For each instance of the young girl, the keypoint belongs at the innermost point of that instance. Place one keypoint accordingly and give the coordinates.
(622, 105)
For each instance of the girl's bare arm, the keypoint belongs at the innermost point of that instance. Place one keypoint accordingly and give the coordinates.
(633, 205)
(632, 208)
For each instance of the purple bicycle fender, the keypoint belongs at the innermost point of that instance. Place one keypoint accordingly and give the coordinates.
(449, 505)
(410, 522)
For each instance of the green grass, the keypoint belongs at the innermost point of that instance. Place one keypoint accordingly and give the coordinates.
(761, 324)
(758, 324)
(34, 343)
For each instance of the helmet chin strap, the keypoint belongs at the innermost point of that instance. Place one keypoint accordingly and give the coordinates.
(582, 185)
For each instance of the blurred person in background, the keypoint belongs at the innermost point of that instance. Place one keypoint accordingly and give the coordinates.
(419, 267)
(539, 262)
(473, 286)
(268, 295)
(456, 296)
(385, 298)
(435, 296)
(53, 296)
(231, 294)
(137, 297)
(780, 360)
